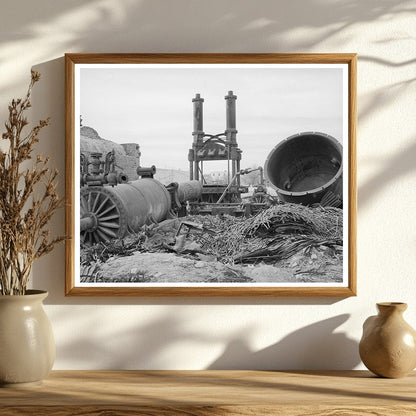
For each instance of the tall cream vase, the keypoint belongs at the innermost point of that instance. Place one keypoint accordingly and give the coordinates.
(27, 347)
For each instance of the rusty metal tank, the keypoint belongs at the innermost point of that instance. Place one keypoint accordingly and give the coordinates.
(112, 211)
(305, 168)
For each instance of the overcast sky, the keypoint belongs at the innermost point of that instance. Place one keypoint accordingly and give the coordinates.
(153, 107)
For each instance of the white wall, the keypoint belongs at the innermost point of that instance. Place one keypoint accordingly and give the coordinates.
(199, 333)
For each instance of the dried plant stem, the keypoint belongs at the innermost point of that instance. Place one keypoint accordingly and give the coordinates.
(23, 217)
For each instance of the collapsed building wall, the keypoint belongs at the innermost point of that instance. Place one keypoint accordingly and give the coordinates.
(127, 155)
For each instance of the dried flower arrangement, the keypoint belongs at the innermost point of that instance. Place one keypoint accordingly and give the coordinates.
(28, 199)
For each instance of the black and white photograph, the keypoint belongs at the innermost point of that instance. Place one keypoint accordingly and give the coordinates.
(211, 175)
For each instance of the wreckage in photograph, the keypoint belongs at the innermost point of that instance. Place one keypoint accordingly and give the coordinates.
(289, 224)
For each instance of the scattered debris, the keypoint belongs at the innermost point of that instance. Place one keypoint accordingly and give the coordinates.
(307, 241)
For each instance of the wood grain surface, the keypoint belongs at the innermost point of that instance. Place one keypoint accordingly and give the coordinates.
(203, 393)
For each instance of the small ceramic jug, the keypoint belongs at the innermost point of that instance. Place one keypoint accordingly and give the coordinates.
(388, 345)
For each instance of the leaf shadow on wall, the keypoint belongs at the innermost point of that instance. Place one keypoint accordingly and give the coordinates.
(190, 26)
(313, 347)
(151, 345)
(397, 166)
(113, 346)
(236, 28)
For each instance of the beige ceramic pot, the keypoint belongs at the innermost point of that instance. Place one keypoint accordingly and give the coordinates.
(27, 347)
(388, 344)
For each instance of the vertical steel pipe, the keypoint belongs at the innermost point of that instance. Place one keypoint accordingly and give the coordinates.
(230, 112)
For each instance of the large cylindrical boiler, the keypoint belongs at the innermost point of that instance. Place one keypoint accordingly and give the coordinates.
(112, 211)
(306, 167)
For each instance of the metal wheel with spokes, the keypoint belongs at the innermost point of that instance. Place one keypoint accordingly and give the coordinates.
(101, 214)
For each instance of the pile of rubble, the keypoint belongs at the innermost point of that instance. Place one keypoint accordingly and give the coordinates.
(294, 236)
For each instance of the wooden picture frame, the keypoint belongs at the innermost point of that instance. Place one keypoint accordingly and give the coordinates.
(318, 88)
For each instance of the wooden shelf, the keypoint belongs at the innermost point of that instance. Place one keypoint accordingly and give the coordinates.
(203, 393)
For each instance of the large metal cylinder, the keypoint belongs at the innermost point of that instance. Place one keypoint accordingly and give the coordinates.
(305, 167)
(111, 211)
(189, 191)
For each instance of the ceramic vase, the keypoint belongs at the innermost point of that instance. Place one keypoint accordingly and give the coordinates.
(388, 345)
(27, 347)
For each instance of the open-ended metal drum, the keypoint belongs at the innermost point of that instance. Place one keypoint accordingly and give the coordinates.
(305, 167)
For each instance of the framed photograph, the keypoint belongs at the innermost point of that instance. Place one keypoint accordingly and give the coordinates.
(211, 174)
